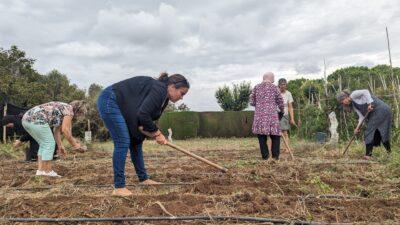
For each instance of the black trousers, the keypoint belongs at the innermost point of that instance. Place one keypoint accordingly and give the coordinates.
(32, 151)
(276, 141)
(376, 142)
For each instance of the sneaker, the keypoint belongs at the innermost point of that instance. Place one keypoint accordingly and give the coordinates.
(39, 173)
(51, 174)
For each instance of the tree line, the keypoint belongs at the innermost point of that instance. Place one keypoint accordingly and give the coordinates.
(315, 99)
(23, 86)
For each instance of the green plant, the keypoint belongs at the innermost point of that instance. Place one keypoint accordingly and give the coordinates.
(323, 187)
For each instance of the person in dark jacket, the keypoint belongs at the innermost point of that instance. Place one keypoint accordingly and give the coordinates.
(127, 107)
(14, 121)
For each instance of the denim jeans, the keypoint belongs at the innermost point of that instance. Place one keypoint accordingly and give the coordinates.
(111, 114)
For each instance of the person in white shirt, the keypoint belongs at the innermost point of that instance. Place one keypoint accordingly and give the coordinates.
(288, 116)
(379, 120)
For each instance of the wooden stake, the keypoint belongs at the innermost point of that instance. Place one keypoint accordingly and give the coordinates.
(88, 124)
(4, 127)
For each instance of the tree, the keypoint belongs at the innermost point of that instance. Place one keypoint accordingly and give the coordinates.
(235, 99)
(183, 107)
(94, 91)
(170, 107)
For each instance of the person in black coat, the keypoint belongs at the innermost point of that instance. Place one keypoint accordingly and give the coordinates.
(127, 107)
(14, 121)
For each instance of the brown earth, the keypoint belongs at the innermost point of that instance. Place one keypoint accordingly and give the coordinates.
(288, 189)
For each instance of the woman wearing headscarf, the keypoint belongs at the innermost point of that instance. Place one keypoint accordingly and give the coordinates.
(130, 107)
(40, 120)
(379, 119)
(267, 99)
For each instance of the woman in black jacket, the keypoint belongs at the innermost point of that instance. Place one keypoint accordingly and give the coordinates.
(130, 104)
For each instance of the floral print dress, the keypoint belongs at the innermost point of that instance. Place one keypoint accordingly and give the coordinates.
(51, 113)
(267, 100)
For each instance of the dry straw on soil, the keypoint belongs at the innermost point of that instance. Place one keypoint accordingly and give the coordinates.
(316, 186)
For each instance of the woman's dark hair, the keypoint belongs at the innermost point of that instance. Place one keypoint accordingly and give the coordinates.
(178, 80)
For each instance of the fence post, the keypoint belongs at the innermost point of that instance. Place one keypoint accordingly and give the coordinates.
(4, 127)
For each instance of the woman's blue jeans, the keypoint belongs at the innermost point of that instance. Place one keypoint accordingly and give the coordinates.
(111, 114)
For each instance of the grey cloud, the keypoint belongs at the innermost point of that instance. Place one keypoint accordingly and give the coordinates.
(212, 42)
(307, 68)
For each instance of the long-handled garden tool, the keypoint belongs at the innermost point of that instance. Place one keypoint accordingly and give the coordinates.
(223, 169)
(287, 146)
(197, 157)
(354, 136)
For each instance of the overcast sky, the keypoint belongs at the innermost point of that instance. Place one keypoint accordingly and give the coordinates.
(210, 42)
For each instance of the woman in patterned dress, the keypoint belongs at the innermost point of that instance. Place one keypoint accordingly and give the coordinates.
(267, 99)
(39, 121)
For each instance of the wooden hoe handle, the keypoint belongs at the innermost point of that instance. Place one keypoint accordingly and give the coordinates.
(354, 136)
(189, 153)
(197, 157)
(287, 146)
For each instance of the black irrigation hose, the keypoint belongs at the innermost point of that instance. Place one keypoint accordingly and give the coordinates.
(101, 186)
(180, 218)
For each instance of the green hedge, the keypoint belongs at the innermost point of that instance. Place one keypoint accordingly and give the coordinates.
(226, 124)
(183, 124)
(207, 124)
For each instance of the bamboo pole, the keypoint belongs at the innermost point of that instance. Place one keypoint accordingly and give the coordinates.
(395, 84)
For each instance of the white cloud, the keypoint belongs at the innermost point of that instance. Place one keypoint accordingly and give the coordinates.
(77, 49)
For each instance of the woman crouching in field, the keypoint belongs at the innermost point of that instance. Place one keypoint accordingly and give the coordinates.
(127, 106)
(39, 121)
(379, 120)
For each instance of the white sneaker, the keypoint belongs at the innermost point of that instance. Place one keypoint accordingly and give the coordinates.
(51, 174)
(39, 173)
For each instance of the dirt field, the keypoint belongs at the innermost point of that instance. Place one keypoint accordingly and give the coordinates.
(316, 186)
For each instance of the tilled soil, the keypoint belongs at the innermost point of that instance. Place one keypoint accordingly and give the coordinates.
(307, 188)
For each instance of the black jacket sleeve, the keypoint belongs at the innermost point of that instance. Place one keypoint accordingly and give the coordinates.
(151, 105)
